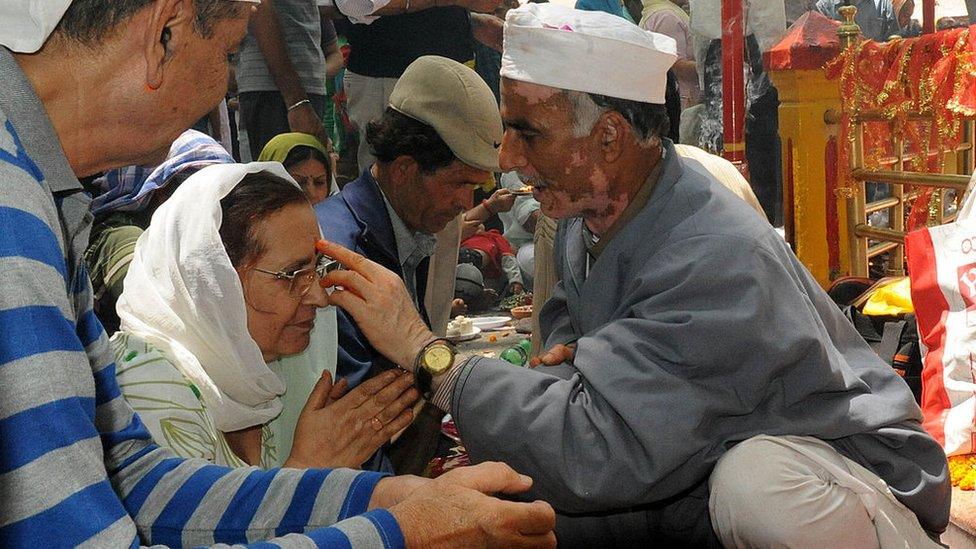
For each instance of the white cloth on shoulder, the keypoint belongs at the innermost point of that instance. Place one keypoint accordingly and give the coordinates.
(183, 296)
(299, 373)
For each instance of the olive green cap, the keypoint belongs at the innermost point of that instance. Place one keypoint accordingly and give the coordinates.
(457, 103)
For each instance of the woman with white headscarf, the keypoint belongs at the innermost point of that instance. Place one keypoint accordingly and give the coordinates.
(223, 282)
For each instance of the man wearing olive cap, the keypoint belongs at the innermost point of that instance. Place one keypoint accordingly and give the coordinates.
(437, 141)
(703, 389)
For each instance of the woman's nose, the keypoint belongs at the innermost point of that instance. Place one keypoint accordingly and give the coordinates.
(316, 295)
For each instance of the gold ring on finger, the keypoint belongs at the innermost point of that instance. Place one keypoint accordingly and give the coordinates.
(377, 424)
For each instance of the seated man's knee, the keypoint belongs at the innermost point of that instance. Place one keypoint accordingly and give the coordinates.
(765, 494)
(740, 472)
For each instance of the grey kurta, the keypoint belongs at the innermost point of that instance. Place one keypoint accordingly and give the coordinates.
(696, 328)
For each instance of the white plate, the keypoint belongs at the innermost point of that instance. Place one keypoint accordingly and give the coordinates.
(490, 322)
(465, 337)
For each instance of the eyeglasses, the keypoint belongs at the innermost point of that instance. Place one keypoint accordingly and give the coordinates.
(300, 281)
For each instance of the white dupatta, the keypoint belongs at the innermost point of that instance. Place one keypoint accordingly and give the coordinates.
(183, 296)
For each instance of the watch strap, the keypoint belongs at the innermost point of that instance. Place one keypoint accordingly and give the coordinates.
(424, 382)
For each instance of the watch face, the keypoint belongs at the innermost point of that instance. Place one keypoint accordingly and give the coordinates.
(438, 359)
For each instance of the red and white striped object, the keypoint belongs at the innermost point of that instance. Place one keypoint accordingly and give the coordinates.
(942, 267)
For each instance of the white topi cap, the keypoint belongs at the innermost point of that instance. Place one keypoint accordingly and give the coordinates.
(587, 51)
(26, 24)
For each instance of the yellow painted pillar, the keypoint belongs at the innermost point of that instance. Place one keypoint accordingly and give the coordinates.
(814, 206)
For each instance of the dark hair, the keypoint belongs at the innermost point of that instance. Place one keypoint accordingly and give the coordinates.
(256, 197)
(647, 119)
(396, 134)
(301, 153)
(167, 189)
(634, 9)
(89, 21)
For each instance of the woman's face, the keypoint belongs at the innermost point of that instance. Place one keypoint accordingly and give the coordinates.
(278, 322)
(314, 178)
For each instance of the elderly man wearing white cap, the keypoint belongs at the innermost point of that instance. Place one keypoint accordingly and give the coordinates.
(703, 389)
(116, 82)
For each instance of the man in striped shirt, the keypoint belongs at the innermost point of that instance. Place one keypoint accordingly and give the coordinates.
(118, 80)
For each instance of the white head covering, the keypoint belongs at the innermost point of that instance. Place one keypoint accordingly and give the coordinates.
(183, 296)
(26, 24)
(588, 51)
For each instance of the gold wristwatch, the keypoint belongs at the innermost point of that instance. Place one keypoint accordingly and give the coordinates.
(434, 360)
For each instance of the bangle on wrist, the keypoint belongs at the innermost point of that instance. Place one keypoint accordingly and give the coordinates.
(299, 104)
(406, 8)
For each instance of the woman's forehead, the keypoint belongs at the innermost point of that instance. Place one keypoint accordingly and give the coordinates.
(309, 164)
(289, 234)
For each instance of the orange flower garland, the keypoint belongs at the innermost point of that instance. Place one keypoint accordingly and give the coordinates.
(962, 471)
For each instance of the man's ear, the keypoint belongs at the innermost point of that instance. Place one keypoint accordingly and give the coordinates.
(612, 128)
(168, 29)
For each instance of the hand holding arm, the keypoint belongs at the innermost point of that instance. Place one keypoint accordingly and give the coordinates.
(333, 59)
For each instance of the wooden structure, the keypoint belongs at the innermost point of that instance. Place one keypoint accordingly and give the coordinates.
(827, 216)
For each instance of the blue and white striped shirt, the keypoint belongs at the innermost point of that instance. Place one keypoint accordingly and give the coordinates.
(77, 466)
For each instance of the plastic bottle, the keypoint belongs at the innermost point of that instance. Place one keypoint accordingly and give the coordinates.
(519, 354)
